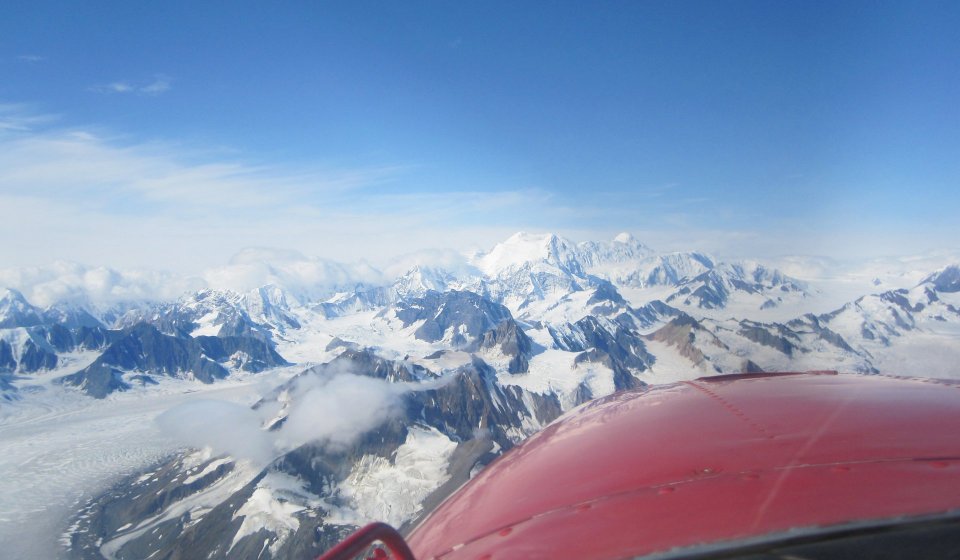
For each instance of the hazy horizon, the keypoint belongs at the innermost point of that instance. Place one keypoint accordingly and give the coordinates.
(175, 136)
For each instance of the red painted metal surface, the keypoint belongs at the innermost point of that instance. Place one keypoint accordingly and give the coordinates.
(360, 541)
(710, 461)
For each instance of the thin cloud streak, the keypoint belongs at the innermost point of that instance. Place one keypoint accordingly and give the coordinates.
(108, 201)
(111, 201)
(17, 117)
(158, 85)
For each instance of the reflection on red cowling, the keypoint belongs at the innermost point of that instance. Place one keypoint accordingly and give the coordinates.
(713, 460)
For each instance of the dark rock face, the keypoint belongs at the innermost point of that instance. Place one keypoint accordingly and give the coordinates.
(15, 311)
(359, 300)
(473, 323)
(366, 362)
(947, 280)
(144, 348)
(898, 298)
(712, 289)
(478, 401)
(512, 341)
(708, 291)
(750, 367)
(252, 354)
(470, 409)
(70, 318)
(468, 315)
(36, 357)
(231, 319)
(338, 342)
(8, 391)
(684, 332)
(606, 293)
(612, 343)
(621, 350)
(762, 335)
(97, 380)
(812, 323)
(138, 498)
(7, 361)
(650, 314)
(39, 347)
(36, 338)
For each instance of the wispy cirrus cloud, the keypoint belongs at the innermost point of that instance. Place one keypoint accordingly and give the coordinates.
(89, 196)
(31, 58)
(18, 117)
(156, 86)
(159, 85)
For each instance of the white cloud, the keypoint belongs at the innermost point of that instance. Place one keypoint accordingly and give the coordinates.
(112, 87)
(89, 197)
(159, 84)
(336, 410)
(18, 118)
(102, 286)
(84, 195)
(31, 58)
(226, 428)
(307, 278)
(331, 409)
(453, 261)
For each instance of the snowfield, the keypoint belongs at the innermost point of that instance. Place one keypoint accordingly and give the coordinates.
(61, 448)
(526, 331)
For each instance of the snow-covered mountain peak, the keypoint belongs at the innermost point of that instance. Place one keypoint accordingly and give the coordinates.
(16, 311)
(524, 248)
(421, 279)
(752, 271)
(274, 295)
(625, 249)
(946, 279)
(11, 297)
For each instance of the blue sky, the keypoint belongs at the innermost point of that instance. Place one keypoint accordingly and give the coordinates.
(369, 128)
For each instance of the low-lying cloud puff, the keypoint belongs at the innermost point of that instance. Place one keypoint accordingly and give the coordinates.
(226, 428)
(337, 410)
(304, 278)
(449, 260)
(66, 282)
(332, 408)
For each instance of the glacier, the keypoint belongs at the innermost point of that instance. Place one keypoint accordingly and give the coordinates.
(454, 364)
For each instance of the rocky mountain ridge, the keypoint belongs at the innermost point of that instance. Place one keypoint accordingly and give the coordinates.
(462, 365)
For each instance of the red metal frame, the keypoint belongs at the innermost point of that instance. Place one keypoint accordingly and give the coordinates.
(360, 541)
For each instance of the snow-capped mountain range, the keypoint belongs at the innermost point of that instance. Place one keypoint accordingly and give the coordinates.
(452, 366)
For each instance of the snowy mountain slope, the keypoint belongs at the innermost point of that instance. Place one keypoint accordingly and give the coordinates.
(218, 313)
(906, 331)
(60, 449)
(749, 283)
(36, 341)
(15, 311)
(533, 273)
(311, 495)
(464, 363)
(396, 471)
(139, 353)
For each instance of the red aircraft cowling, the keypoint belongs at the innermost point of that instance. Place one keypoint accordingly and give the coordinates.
(717, 460)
